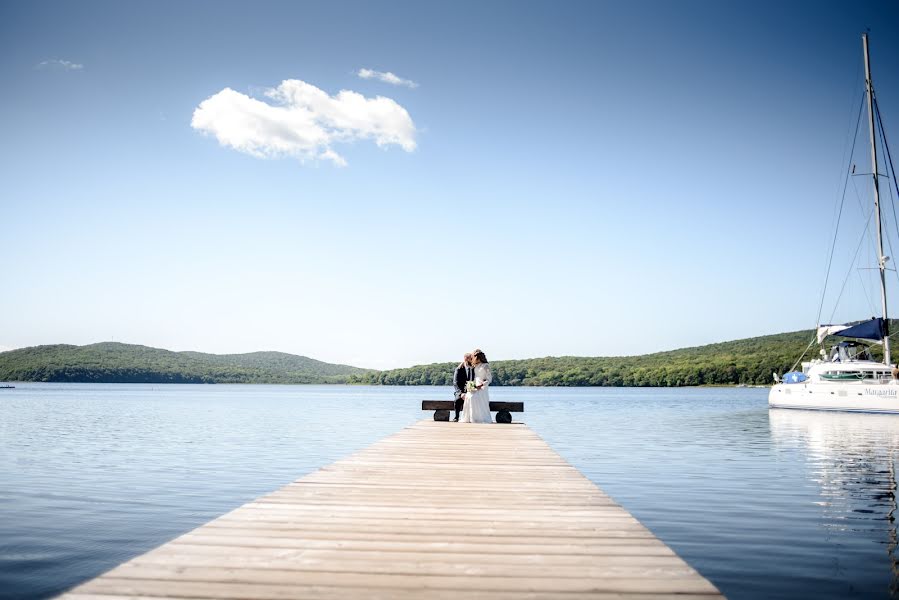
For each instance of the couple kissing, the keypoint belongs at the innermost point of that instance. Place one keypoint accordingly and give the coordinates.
(470, 382)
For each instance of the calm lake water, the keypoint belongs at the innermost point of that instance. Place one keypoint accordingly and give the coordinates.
(766, 504)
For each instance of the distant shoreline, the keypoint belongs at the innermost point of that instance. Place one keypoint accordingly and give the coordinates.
(748, 362)
(711, 385)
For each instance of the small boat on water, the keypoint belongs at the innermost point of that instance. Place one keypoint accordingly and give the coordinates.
(848, 378)
(7, 387)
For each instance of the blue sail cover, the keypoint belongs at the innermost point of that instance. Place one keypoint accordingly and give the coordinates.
(794, 377)
(869, 330)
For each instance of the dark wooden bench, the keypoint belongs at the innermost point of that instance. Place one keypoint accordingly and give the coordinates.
(442, 409)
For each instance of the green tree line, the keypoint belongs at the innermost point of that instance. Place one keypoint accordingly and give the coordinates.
(126, 363)
(750, 361)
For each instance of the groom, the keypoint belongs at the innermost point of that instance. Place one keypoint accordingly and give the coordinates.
(462, 375)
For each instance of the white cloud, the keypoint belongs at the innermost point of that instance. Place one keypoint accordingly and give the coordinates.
(302, 121)
(63, 65)
(387, 77)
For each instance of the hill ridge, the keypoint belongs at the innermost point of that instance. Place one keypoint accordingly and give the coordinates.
(748, 361)
(117, 362)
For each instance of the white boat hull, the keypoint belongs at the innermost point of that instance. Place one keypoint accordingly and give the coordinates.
(852, 397)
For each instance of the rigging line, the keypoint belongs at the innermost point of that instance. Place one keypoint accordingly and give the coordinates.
(858, 197)
(814, 338)
(886, 146)
(836, 228)
(872, 246)
(895, 185)
(892, 205)
(860, 94)
(861, 209)
(865, 292)
(854, 258)
(892, 252)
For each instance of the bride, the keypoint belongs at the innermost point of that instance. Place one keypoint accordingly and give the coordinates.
(477, 401)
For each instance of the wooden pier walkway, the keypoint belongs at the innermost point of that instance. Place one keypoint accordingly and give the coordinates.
(437, 510)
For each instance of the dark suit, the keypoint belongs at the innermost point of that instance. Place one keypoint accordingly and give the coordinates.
(461, 376)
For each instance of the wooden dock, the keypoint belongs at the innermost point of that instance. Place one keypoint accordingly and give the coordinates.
(437, 510)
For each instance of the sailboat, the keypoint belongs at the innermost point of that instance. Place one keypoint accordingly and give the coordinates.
(847, 378)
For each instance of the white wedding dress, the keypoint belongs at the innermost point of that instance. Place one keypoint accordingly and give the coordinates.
(477, 404)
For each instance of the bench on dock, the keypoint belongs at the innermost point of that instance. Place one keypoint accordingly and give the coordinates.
(442, 409)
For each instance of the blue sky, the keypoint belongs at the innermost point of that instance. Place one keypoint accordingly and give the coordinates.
(587, 178)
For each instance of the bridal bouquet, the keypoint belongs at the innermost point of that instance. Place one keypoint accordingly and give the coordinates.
(471, 387)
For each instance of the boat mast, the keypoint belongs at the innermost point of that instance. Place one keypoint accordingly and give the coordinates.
(881, 259)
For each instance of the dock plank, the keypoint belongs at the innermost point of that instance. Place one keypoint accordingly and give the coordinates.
(433, 511)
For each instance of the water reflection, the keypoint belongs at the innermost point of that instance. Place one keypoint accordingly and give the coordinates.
(852, 457)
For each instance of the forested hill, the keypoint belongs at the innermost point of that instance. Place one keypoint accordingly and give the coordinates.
(111, 362)
(749, 361)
